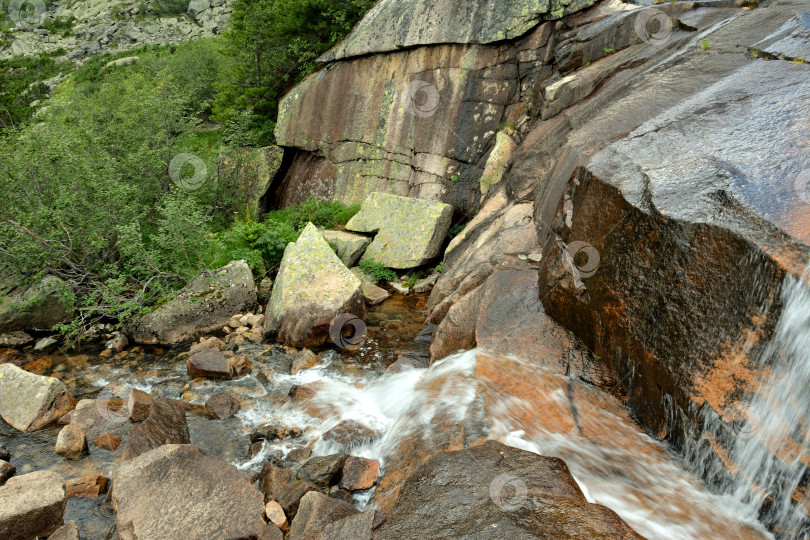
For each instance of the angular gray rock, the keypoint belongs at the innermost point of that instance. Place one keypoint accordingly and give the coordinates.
(250, 172)
(410, 232)
(32, 505)
(177, 491)
(38, 307)
(29, 402)
(349, 247)
(315, 513)
(205, 305)
(312, 288)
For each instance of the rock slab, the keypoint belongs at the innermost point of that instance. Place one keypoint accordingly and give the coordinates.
(30, 402)
(410, 232)
(32, 505)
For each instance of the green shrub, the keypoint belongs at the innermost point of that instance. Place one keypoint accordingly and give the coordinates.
(169, 7)
(260, 244)
(325, 214)
(22, 84)
(377, 271)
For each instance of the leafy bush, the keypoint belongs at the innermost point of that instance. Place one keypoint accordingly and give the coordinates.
(169, 7)
(260, 244)
(275, 44)
(377, 271)
(328, 215)
(22, 84)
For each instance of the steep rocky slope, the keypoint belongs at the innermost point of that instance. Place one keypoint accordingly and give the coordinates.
(656, 157)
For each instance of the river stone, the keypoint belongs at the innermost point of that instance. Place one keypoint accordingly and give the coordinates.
(38, 307)
(250, 172)
(315, 513)
(69, 531)
(552, 505)
(275, 514)
(178, 491)
(410, 232)
(290, 497)
(18, 338)
(209, 363)
(396, 24)
(221, 406)
(313, 287)
(32, 505)
(359, 473)
(373, 294)
(349, 247)
(30, 402)
(355, 527)
(205, 305)
(71, 442)
(323, 471)
(166, 424)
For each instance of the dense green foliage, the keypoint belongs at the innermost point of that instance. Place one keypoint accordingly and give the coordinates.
(377, 271)
(328, 215)
(22, 85)
(275, 44)
(167, 7)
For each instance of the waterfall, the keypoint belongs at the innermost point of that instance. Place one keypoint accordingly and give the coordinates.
(768, 453)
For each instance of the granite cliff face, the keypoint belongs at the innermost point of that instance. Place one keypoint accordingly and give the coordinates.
(649, 165)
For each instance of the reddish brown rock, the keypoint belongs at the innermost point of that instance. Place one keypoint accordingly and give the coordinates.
(166, 424)
(40, 366)
(305, 359)
(348, 432)
(108, 442)
(359, 473)
(32, 505)
(89, 487)
(221, 406)
(315, 513)
(324, 471)
(7, 470)
(209, 363)
(274, 480)
(290, 497)
(139, 405)
(241, 365)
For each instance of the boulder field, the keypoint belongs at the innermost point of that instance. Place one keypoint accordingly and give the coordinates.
(635, 175)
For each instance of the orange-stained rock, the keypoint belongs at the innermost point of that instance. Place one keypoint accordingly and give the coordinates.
(359, 473)
(89, 487)
(39, 366)
(108, 442)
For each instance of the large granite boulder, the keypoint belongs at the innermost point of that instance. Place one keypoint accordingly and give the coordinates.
(398, 24)
(205, 305)
(177, 491)
(313, 287)
(38, 307)
(410, 232)
(32, 505)
(250, 171)
(29, 402)
(494, 487)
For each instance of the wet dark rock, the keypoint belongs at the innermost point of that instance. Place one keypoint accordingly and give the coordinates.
(305, 359)
(7, 470)
(290, 497)
(177, 491)
(241, 365)
(221, 406)
(359, 473)
(166, 424)
(209, 363)
(5, 455)
(264, 432)
(315, 513)
(274, 480)
(349, 432)
(298, 455)
(139, 404)
(324, 471)
(31, 505)
(337, 492)
(493, 485)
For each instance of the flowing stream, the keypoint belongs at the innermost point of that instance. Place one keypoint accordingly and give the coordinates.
(463, 399)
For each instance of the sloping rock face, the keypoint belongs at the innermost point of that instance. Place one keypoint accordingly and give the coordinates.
(30, 402)
(410, 232)
(38, 307)
(312, 288)
(496, 487)
(397, 24)
(205, 305)
(177, 491)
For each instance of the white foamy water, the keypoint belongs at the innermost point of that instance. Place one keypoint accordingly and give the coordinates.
(613, 461)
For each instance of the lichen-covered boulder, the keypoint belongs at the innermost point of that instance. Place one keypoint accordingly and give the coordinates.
(29, 402)
(205, 305)
(349, 247)
(38, 307)
(250, 171)
(313, 287)
(409, 231)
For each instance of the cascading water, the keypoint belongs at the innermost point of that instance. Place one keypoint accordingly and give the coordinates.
(768, 453)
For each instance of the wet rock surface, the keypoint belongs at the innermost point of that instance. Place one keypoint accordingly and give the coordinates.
(31, 505)
(166, 424)
(498, 488)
